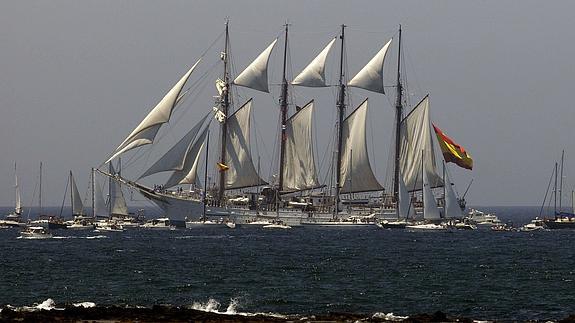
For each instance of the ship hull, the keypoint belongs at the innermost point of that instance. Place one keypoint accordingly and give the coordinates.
(565, 224)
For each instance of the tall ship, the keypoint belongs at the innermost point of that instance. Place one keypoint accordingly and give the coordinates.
(294, 194)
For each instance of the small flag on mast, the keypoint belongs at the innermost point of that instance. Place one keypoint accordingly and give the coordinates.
(452, 152)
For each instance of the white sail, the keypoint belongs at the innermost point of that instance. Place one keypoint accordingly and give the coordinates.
(255, 76)
(406, 209)
(371, 75)
(175, 158)
(241, 171)
(76, 200)
(314, 74)
(117, 201)
(188, 174)
(99, 202)
(451, 209)
(146, 131)
(416, 144)
(299, 171)
(18, 204)
(356, 174)
(430, 209)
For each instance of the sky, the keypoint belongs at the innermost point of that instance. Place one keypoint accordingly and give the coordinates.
(77, 76)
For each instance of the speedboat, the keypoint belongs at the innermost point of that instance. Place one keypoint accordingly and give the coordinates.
(482, 219)
(535, 225)
(35, 233)
(426, 227)
(108, 226)
(397, 224)
(277, 224)
(161, 223)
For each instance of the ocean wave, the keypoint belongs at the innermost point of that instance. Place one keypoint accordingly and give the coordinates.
(46, 305)
(213, 306)
(84, 304)
(389, 316)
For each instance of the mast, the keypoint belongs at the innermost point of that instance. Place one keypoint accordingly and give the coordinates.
(110, 189)
(71, 194)
(40, 193)
(561, 180)
(224, 104)
(555, 192)
(444, 193)
(206, 178)
(93, 193)
(284, 111)
(398, 114)
(341, 113)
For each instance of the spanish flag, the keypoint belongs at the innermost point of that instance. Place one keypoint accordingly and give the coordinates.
(223, 167)
(453, 152)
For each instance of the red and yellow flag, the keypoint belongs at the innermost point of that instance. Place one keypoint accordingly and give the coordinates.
(452, 152)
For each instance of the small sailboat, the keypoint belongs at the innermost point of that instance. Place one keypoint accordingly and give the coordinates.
(14, 219)
(47, 221)
(431, 214)
(81, 221)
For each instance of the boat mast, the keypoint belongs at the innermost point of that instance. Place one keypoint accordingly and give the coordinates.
(341, 112)
(93, 193)
(224, 124)
(398, 115)
(561, 180)
(40, 193)
(71, 194)
(284, 111)
(555, 191)
(206, 178)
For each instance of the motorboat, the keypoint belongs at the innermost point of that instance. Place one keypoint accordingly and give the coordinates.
(277, 224)
(35, 232)
(160, 223)
(426, 227)
(535, 225)
(482, 219)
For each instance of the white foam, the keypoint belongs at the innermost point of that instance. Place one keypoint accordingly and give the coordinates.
(232, 307)
(213, 306)
(46, 305)
(85, 304)
(389, 316)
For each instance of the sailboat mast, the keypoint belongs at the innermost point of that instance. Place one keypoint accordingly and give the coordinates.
(93, 193)
(40, 192)
(341, 113)
(206, 179)
(555, 191)
(284, 111)
(71, 194)
(398, 114)
(561, 180)
(224, 124)
(110, 189)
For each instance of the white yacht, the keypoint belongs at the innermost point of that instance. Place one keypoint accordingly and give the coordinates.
(535, 225)
(35, 233)
(480, 218)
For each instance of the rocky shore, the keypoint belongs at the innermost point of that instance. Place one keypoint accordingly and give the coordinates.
(178, 314)
(160, 313)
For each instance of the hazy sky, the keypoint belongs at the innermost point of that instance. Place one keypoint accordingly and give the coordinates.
(77, 76)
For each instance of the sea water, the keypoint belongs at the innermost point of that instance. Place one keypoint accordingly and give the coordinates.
(479, 274)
